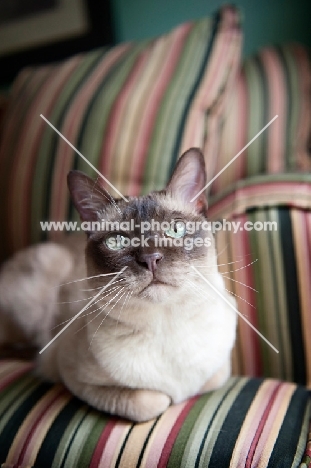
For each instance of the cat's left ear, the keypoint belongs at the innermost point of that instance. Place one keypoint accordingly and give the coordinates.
(188, 179)
(87, 195)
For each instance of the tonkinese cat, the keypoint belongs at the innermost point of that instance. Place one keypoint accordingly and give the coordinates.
(155, 332)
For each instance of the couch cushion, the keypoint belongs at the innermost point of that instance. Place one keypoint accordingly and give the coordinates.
(276, 81)
(248, 422)
(130, 110)
(268, 268)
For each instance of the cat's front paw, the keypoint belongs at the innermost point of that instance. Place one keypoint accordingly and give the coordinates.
(147, 404)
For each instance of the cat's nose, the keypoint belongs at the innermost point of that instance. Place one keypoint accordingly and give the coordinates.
(150, 260)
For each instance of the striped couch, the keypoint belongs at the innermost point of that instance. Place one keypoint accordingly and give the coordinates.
(132, 110)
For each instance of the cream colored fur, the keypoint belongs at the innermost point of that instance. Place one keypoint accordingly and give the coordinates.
(138, 363)
(168, 343)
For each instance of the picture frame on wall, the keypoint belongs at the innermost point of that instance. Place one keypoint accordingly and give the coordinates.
(41, 31)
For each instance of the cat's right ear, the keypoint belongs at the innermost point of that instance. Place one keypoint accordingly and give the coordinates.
(87, 195)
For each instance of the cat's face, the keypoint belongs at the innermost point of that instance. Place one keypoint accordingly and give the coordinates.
(157, 237)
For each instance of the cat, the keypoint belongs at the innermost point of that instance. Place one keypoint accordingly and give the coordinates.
(158, 334)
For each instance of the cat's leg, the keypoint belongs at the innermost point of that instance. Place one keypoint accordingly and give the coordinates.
(28, 292)
(218, 379)
(135, 404)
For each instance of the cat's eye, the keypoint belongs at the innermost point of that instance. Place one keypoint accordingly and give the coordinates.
(117, 242)
(177, 229)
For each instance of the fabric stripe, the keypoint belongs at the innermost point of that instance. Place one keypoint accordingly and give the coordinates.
(270, 271)
(293, 300)
(247, 419)
(291, 438)
(275, 81)
(124, 107)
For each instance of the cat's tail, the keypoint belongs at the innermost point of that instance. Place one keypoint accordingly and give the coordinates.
(29, 291)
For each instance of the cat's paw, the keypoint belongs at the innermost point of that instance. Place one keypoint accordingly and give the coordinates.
(147, 404)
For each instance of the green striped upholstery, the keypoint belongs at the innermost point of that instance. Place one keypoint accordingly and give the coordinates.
(276, 81)
(269, 272)
(249, 422)
(130, 110)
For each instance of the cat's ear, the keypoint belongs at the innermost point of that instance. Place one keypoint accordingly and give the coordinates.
(188, 179)
(87, 195)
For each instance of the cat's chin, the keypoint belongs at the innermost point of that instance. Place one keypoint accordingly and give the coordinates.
(156, 291)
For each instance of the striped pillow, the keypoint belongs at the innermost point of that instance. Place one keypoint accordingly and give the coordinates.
(269, 272)
(248, 422)
(131, 110)
(277, 81)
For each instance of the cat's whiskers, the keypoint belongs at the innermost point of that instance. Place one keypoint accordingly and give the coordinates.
(102, 296)
(105, 294)
(241, 268)
(105, 319)
(231, 271)
(242, 299)
(90, 297)
(219, 264)
(101, 309)
(99, 287)
(84, 279)
(77, 300)
(126, 300)
(240, 282)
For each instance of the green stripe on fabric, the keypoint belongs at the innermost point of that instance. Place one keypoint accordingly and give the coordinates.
(185, 431)
(258, 99)
(267, 290)
(281, 322)
(292, 103)
(93, 438)
(60, 430)
(164, 145)
(295, 426)
(258, 252)
(13, 393)
(18, 412)
(232, 424)
(293, 301)
(77, 441)
(209, 423)
(193, 90)
(96, 116)
(42, 179)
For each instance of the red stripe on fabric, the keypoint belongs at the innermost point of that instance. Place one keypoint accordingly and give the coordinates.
(244, 275)
(237, 201)
(277, 106)
(15, 375)
(101, 444)
(61, 392)
(71, 128)
(23, 215)
(303, 63)
(224, 58)
(167, 449)
(117, 112)
(151, 108)
(260, 427)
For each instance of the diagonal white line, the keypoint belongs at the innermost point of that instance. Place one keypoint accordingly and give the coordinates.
(82, 310)
(83, 157)
(236, 310)
(235, 157)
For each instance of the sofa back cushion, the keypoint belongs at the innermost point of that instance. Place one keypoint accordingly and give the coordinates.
(276, 81)
(130, 110)
(266, 263)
